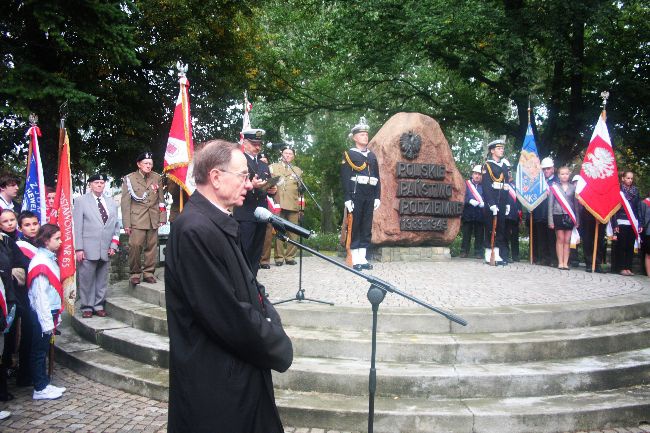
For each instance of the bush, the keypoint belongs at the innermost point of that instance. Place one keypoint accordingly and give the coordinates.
(323, 241)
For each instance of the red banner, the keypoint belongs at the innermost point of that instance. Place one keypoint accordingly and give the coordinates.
(598, 187)
(63, 206)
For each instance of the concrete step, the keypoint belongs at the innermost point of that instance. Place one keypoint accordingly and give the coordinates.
(122, 339)
(585, 411)
(480, 319)
(109, 368)
(429, 380)
(473, 348)
(138, 314)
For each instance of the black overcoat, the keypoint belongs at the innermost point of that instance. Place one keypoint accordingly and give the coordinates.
(224, 338)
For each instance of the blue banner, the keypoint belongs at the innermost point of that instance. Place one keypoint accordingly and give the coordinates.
(34, 197)
(532, 188)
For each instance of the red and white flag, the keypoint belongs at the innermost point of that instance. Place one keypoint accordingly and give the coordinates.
(598, 187)
(246, 123)
(180, 145)
(63, 206)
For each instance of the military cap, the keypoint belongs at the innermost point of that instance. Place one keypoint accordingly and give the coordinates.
(547, 163)
(495, 143)
(97, 176)
(362, 126)
(253, 134)
(144, 155)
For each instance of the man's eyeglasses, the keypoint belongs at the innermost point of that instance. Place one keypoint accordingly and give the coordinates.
(242, 176)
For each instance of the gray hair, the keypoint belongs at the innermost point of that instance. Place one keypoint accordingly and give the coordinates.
(213, 154)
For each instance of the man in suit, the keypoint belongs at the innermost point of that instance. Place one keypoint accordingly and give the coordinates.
(97, 237)
(252, 232)
(224, 336)
(143, 212)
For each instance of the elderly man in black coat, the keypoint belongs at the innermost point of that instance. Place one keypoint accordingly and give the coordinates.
(225, 337)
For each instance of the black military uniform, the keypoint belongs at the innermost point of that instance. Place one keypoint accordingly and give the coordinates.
(361, 186)
(495, 192)
(511, 251)
(252, 232)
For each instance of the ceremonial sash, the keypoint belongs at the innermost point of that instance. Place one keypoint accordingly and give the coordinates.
(274, 207)
(512, 193)
(27, 249)
(647, 201)
(559, 196)
(474, 192)
(3, 301)
(41, 265)
(633, 221)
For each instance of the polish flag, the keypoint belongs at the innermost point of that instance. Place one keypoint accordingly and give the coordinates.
(180, 145)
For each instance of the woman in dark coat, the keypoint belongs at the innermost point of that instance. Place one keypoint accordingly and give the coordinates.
(225, 338)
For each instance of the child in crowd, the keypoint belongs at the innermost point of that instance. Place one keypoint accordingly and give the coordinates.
(9, 223)
(14, 341)
(622, 225)
(28, 225)
(44, 282)
(644, 229)
(563, 215)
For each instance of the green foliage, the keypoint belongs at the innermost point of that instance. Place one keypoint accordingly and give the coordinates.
(323, 242)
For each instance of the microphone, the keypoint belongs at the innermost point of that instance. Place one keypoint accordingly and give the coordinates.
(265, 216)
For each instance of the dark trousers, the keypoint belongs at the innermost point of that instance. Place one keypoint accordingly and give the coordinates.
(511, 249)
(543, 244)
(500, 235)
(40, 349)
(362, 222)
(587, 232)
(477, 229)
(252, 241)
(624, 248)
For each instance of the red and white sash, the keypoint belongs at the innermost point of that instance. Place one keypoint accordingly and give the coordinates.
(3, 300)
(27, 249)
(474, 192)
(41, 265)
(512, 193)
(274, 207)
(633, 221)
(559, 196)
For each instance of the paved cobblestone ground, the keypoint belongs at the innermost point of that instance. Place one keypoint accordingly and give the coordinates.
(90, 407)
(456, 283)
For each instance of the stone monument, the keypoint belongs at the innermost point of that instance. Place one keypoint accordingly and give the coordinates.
(422, 192)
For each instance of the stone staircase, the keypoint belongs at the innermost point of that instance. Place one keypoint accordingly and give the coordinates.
(537, 368)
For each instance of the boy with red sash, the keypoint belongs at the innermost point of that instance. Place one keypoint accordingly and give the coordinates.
(626, 226)
(472, 218)
(46, 301)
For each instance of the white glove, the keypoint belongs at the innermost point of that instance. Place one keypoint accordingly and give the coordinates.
(494, 209)
(377, 203)
(349, 206)
(473, 202)
(507, 209)
(481, 205)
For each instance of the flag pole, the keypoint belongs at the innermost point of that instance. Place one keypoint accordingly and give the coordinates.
(530, 236)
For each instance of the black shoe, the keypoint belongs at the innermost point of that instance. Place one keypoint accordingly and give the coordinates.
(588, 269)
(291, 262)
(279, 263)
(366, 266)
(6, 397)
(357, 267)
(463, 255)
(265, 266)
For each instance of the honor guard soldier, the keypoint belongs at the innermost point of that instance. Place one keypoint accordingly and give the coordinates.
(361, 192)
(252, 232)
(290, 199)
(496, 175)
(143, 212)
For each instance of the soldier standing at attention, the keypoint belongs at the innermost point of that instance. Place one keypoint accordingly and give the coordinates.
(361, 192)
(143, 212)
(472, 218)
(289, 197)
(496, 175)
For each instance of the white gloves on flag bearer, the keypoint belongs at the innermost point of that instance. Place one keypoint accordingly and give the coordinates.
(473, 202)
(349, 205)
(507, 209)
(377, 203)
(494, 209)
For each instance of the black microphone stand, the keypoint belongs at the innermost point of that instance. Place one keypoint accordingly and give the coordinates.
(300, 294)
(376, 294)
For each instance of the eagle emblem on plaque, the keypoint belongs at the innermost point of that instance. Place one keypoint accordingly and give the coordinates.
(410, 144)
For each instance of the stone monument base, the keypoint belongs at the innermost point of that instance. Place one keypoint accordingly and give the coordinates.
(411, 254)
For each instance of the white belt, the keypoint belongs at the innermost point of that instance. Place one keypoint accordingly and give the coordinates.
(365, 180)
(499, 185)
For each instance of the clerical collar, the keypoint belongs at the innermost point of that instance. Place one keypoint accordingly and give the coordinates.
(222, 209)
